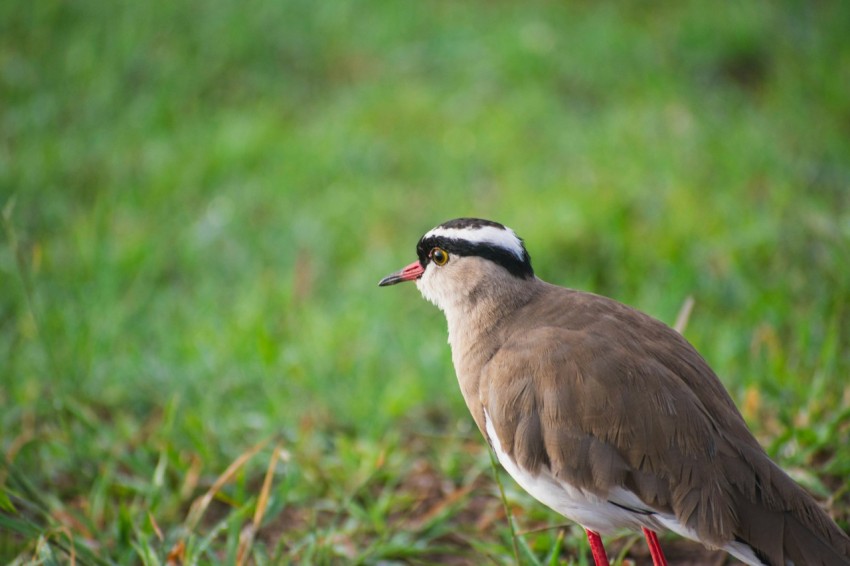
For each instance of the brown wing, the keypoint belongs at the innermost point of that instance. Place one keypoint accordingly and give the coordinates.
(597, 420)
(607, 396)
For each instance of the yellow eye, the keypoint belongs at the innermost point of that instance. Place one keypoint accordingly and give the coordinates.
(439, 256)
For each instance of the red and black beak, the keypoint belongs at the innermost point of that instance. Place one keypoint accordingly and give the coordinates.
(409, 273)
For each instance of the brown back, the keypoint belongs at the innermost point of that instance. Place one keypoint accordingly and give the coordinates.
(603, 395)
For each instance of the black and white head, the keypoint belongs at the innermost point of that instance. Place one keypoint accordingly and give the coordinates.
(460, 257)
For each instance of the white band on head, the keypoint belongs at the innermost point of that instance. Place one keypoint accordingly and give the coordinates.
(503, 238)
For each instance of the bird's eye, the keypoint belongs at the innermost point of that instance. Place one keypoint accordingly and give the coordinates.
(439, 256)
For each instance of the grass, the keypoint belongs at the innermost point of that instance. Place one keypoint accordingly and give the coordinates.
(198, 201)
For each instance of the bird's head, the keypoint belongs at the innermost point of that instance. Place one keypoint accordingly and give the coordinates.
(464, 259)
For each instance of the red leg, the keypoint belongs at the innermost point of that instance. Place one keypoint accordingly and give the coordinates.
(654, 548)
(596, 548)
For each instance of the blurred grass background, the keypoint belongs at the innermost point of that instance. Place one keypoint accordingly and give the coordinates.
(199, 199)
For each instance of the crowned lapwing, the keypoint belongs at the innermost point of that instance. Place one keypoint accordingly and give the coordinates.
(605, 414)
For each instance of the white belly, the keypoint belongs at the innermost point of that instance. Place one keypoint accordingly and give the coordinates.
(594, 512)
(586, 509)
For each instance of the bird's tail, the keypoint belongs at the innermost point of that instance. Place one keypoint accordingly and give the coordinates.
(783, 525)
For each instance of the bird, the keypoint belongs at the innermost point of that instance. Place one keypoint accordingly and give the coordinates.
(607, 415)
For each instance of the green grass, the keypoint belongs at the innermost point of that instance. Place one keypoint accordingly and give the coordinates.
(199, 199)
